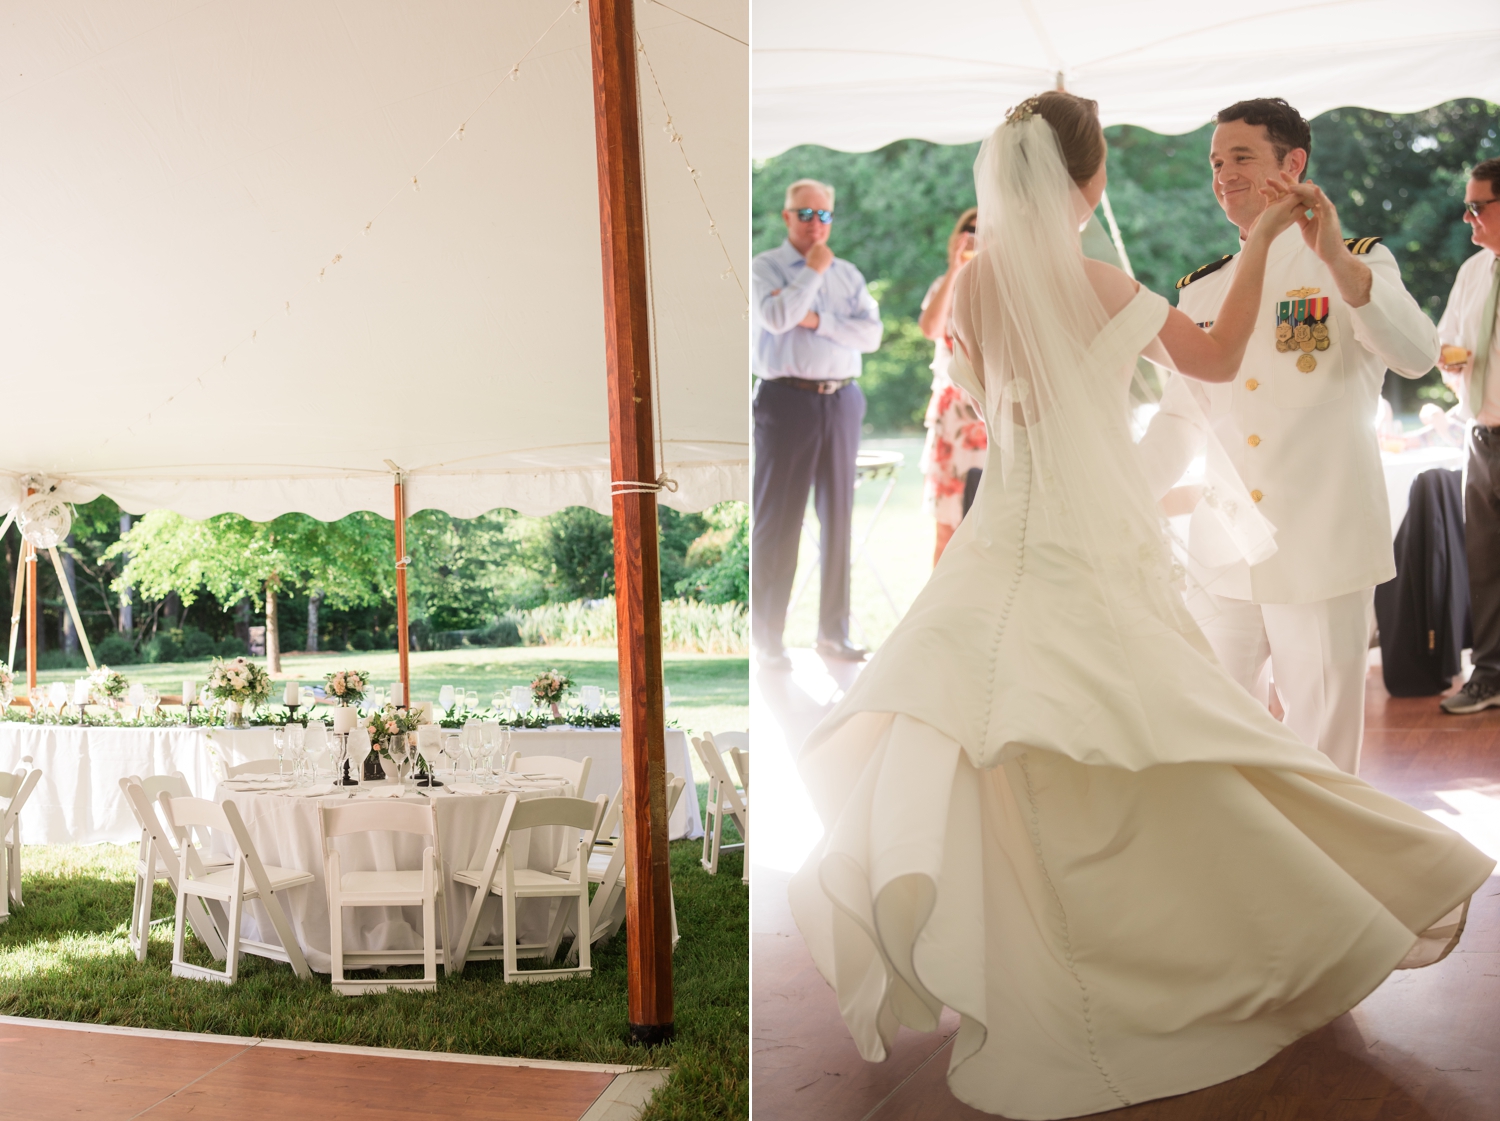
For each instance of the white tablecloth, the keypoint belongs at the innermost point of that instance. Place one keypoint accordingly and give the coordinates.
(1401, 468)
(286, 832)
(79, 799)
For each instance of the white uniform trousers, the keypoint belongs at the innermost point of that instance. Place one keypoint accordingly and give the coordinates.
(1317, 654)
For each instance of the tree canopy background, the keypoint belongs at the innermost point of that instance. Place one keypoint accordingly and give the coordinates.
(1400, 177)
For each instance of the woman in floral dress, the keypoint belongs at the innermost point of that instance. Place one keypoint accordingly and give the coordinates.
(956, 439)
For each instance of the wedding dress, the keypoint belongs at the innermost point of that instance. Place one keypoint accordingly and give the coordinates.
(1046, 807)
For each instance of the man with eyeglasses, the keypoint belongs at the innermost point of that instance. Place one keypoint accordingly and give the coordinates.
(814, 317)
(1471, 367)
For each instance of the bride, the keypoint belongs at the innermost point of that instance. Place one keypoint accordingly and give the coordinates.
(1046, 806)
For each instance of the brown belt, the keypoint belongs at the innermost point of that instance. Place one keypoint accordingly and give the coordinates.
(813, 386)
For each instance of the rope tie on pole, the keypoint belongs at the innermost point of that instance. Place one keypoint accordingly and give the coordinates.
(634, 486)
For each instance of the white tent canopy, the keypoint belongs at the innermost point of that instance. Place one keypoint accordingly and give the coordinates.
(858, 74)
(249, 257)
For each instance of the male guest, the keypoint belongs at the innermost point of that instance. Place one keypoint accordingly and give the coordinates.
(1297, 423)
(1471, 366)
(814, 318)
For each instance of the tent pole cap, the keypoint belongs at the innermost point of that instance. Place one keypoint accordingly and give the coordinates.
(651, 1034)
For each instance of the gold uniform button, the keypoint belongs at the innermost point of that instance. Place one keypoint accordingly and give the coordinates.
(1252, 385)
(1255, 494)
(1253, 441)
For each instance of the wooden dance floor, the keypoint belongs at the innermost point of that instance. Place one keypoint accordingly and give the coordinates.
(52, 1070)
(1425, 1046)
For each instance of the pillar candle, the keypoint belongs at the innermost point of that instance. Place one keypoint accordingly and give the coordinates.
(189, 692)
(398, 694)
(293, 694)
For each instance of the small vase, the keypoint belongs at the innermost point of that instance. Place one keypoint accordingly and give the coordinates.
(557, 715)
(234, 714)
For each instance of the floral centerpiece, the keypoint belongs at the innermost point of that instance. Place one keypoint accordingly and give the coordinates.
(385, 723)
(7, 685)
(106, 686)
(550, 688)
(237, 684)
(346, 686)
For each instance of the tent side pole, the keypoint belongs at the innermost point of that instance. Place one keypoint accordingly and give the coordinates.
(31, 620)
(403, 631)
(648, 900)
(17, 600)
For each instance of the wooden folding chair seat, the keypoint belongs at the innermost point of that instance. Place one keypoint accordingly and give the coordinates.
(15, 789)
(575, 771)
(724, 800)
(414, 888)
(607, 911)
(157, 859)
(516, 884)
(247, 878)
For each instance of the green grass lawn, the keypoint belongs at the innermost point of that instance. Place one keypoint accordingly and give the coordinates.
(899, 549)
(66, 956)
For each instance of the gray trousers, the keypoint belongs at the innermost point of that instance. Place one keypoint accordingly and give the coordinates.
(803, 440)
(1482, 544)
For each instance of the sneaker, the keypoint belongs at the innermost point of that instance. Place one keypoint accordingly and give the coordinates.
(1475, 696)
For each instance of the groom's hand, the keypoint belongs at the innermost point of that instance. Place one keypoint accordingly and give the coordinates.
(1325, 237)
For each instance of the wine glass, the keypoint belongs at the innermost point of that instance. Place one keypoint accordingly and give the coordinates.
(588, 697)
(450, 747)
(359, 750)
(445, 697)
(278, 744)
(520, 698)
(488, 741)
(400, 752)
(471, 699)
(298, 749)
(502, 745)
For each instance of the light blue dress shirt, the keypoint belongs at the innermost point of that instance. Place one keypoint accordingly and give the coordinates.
(785, 290)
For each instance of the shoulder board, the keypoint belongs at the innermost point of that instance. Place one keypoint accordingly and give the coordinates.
(1199, 274)
(1359, 246)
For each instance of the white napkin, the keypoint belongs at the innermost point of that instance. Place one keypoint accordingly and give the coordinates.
(466, 788)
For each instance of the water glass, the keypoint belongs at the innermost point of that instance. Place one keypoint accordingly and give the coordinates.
(397, 746)
(520, 698)
(471, 699)
(445, 697)
(589, 697)
(278, 744)
(340, 755)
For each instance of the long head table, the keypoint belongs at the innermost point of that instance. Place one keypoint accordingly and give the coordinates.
(79, 799)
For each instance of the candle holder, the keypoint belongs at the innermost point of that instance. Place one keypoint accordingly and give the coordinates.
(348, 779)
(190, 705)
(292, 712)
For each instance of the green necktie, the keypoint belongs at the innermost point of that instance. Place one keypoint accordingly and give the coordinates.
(1482, 344)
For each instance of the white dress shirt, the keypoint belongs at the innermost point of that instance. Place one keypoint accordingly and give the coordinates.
(1460, 326)
(785, 290)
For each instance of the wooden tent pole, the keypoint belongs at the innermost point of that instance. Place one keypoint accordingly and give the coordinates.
(31, 621)
(403, 631)
(648, 901)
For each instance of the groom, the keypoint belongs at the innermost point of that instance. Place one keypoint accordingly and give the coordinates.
(1298, 425)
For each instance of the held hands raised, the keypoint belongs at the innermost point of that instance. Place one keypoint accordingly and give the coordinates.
(1287, 201)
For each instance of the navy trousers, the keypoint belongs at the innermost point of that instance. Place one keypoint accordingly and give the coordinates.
(803, 441)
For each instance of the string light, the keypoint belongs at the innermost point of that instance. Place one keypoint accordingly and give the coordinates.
(676, 139)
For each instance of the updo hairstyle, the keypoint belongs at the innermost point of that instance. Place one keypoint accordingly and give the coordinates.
(1075, 123)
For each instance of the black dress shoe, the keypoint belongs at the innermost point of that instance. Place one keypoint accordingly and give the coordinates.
(842, 651)
(773, 660)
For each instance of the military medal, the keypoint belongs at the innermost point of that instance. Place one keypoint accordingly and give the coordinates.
(1302, 327)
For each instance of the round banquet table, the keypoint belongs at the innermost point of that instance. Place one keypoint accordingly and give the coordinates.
(285, 828)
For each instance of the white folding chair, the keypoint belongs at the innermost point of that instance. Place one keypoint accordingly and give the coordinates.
(516, 884)
(607, 911)
(228, 886)
(724, 799)
(157, 859)
(253, 767)
(16, 789)
(737, 746)
(384, 889)
(575, 771)
(606, 840)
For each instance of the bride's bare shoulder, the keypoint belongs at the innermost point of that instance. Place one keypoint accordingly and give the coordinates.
(1111, 285)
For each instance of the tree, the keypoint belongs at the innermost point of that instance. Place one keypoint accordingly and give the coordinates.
(349, 561)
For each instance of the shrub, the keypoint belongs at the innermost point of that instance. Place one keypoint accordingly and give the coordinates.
(687, 626)
(196, 644)
(163, 648)
(115, 650)
(231, 646)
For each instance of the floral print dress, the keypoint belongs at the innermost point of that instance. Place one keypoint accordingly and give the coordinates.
(956, 438)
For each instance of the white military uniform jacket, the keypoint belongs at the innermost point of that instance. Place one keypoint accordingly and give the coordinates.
(1304, 443)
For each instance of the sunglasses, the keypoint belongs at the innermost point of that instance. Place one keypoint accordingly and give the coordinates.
(1475, 207)
(806, 215)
